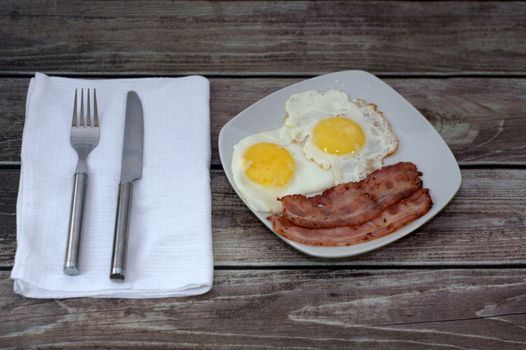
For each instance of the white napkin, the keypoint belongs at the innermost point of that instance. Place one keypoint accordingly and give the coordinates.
(170, 244)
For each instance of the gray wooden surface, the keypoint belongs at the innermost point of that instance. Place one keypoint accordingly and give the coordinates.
(456, 283)
(481, 119)
(286, 38)
(294, 309)
(483, 225)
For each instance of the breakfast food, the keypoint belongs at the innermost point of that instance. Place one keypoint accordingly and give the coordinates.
(355, 202)
(350, 138)
(325, 140)
(389, 220)
(264, 169)
(335, 146)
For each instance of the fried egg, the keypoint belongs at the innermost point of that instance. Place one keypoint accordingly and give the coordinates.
(349, 138)
(265, 168)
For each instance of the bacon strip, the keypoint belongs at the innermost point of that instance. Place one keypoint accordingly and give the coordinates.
(353, 203)
(390, 219)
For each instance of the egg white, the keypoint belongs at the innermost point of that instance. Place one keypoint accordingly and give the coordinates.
(308, 177)
(306, 109)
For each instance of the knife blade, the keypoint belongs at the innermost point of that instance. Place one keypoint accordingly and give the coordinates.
(131, 170)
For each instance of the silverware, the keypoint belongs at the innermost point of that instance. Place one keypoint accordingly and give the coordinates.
(131, 169)
(84, 137)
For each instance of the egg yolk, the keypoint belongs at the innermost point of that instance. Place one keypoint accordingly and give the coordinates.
(269, 164)
(338, 136)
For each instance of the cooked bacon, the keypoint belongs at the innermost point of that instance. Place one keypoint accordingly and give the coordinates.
(390, 219)
(353, 203)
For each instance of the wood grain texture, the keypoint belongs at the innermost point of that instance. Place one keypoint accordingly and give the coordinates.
(482, 120)
(414, 294)
(290, 309)
(12, 115)
(301, 37)
(484, 224)
(9, 180)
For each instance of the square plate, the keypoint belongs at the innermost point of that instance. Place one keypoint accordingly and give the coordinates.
(420, 143)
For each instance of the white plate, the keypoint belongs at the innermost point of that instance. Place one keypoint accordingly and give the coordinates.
(420, 143)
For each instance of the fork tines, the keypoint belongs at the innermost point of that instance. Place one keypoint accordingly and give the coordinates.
(80, 123)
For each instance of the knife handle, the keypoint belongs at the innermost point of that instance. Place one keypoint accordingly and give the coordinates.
(71, 261)
(120, 239)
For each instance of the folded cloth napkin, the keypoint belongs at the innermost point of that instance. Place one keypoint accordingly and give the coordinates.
(170, 244)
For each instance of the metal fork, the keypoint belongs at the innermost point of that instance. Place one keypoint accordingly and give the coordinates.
(84, 137)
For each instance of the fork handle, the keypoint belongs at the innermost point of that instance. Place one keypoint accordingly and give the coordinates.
(71, 261)
(120, 238)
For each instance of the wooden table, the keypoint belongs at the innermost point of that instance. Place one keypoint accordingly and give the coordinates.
(459, 282)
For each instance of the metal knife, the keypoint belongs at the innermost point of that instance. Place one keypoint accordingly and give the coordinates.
(131, 170)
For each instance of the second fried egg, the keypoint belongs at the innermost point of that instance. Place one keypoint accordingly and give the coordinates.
(350, 138)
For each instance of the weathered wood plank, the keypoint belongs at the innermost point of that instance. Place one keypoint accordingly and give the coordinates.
(484, 224)
(291, 309)
(482, 120)
(305, 37)
(8, 194)
(12, 115)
